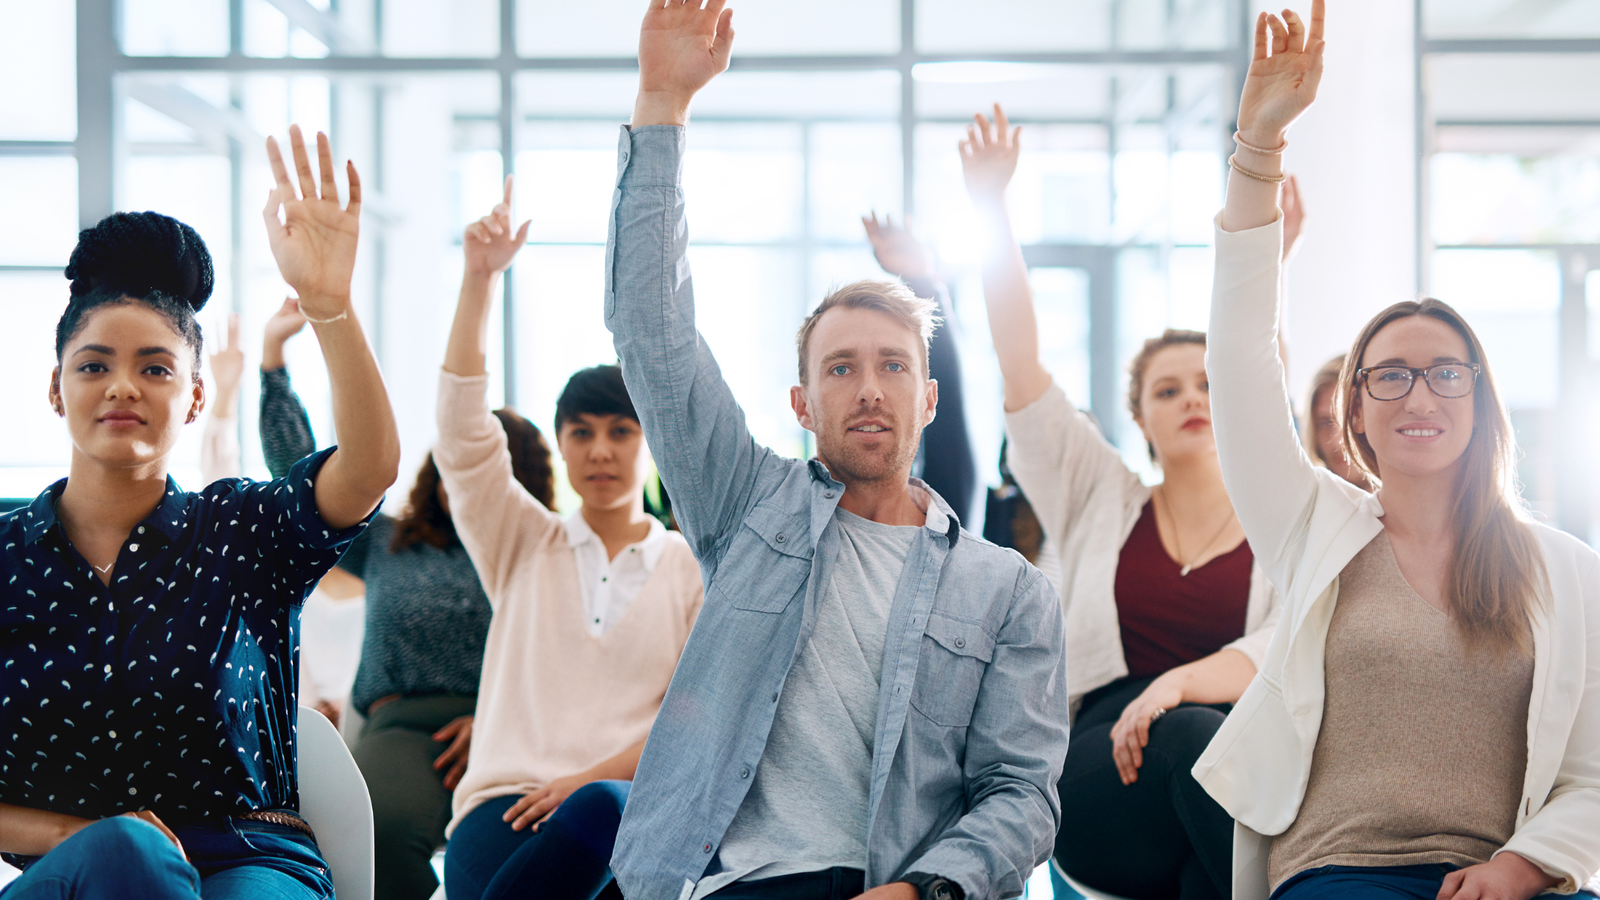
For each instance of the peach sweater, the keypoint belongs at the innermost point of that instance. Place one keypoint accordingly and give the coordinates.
(554, 699)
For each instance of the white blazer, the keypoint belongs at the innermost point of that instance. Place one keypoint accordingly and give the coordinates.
(1088, 501)
(1305, 524)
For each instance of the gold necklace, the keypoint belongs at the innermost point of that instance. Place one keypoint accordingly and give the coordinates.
(1178, 543)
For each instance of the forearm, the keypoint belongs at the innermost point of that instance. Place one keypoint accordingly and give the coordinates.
(1252, 202)
(1008, 298)
(620, 767)
(466, 354)
(35, 832)
(1218, 678)
(219, 448)
(286, 436)
(367, 462)
(272, 354)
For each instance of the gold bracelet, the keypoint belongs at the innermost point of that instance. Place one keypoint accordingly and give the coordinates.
(1269, 179)
(1239, 139)
(342, 315)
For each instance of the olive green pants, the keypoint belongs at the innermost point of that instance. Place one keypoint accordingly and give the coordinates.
(410, 805)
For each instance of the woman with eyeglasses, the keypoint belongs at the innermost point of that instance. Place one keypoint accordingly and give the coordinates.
(1427, 721)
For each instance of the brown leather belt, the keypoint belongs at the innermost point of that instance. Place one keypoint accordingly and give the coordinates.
(279, 817)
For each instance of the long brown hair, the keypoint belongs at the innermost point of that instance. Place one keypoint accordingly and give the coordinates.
(1497, 574)
(424, 520)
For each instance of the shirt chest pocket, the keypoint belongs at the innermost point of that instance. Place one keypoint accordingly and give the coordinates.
(767, 565)
(954, 655)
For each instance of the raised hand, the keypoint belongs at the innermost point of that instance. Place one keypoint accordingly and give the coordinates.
(1294, 216)
(989, 156)
(227, 365)
(898, 250)
(489, 242)
(681, 48)
(1284, 72)
(284, 324)
(315, 242)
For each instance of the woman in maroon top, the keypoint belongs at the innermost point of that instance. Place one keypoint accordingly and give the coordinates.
(1167, 614)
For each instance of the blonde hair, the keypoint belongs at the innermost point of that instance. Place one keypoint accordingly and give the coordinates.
(891, 298)
(1326, 378)
(1497, 573)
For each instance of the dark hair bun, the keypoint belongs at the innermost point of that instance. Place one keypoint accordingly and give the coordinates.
(138, 254)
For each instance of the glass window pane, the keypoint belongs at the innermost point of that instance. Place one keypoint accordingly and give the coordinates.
(1513, 86)
(565, 181)
(611, 27)
(744, 183)
(175, 27)
(956, 90)
(822, 95)
(1510, 19)
(47, 187)
(728, 282)
(1158, 24)
(855, 169)
(1501, 198)
(1061, 301)
(1013, 25)
(36, 450)
(38, 48)
(1511, 298)
(431, 28)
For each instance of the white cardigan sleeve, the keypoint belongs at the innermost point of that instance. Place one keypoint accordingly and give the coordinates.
(1270, 480)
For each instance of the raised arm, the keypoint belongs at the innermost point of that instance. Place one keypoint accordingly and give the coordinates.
(286, 436)
(495, 516)
(219, 445)
(695, 428)
(315, 247)
(988, 159)
(1270, 481)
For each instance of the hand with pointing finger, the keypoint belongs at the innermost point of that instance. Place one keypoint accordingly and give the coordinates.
(489, 243)
(989, 156)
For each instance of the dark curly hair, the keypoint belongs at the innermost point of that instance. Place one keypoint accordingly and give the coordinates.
(141, 257)
(424, 519)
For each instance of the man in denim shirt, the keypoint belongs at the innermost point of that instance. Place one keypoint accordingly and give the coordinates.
(871, 698)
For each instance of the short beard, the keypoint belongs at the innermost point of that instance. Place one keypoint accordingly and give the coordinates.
(848, 465)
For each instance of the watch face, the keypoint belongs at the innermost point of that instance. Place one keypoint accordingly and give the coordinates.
(941, 890)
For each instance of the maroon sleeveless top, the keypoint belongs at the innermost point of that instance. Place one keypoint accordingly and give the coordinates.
(1169, 619)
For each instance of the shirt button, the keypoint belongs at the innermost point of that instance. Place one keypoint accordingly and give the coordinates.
(706, 848)
(781, 538)
(774, 696)
(960, 642)
(132, 791)
(827, 495)
(744, 772)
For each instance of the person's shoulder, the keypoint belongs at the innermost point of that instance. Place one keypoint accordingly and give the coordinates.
(1000, 563)
(1564, 549)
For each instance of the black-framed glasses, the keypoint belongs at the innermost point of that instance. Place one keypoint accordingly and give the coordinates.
(1447, 380)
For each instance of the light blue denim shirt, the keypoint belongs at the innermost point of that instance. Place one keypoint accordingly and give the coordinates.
(972, 718)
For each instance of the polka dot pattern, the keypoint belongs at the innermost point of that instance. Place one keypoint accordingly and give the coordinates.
(174, 687)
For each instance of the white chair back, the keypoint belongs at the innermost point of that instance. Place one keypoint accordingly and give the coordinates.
(335, 803)
(1086, 891)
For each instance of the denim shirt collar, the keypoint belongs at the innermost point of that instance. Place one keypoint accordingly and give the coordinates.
(941, 521)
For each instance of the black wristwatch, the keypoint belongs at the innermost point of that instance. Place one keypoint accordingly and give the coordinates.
(934, 887)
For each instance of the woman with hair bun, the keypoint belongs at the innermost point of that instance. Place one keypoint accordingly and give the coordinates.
(1427, 721)
(150, 634)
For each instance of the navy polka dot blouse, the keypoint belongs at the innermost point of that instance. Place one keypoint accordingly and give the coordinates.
(172, 689)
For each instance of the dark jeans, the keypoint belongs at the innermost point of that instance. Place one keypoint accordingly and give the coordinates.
(1160, 837)
(1372, 883)
(230, 860)
(829, 884)
(410, 806)
(568, 858)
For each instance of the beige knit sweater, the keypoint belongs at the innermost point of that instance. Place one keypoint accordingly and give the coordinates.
(1423, 745)
(553, 699)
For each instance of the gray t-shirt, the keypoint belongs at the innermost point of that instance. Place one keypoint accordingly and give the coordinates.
(807, 806)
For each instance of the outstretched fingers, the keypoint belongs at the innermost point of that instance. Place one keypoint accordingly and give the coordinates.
(280, 172)
(302, 163)
(1319, 15)
(330, 188)
(1280, 35)
(354, 207)
(1261, 37)
(1296, 30)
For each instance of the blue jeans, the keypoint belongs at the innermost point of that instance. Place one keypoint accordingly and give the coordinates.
(1371, 883)
(568, 858)
(228, 860)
